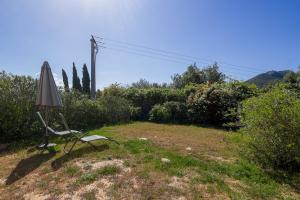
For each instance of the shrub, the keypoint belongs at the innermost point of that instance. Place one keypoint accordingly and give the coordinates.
(18, 119)
(218, 103)
(272, 121)
(210, 106)
(117, 109)
(171, 111)
(17, 107)
(147, 98)
(82, 112)
(135, 113)
(159, 114)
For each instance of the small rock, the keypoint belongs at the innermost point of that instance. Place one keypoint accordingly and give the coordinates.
(2, 181)
(188, 148)
(165, 160)
(142, 138)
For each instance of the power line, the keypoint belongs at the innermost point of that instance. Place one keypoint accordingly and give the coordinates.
(171, 56)
(164, 59)
(181, 55)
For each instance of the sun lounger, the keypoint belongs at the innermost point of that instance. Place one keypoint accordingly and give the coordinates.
(73, 134)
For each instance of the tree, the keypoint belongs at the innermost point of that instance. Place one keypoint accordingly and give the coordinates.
(193, 74)
(86, 82)
(76, 80)
(290, 77)
(213, 75)
(65, 79)
(144, 84)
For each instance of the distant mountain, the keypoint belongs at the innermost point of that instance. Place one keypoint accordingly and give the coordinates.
(267, 78)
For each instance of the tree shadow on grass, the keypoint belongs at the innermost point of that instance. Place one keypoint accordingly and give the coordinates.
(27, 165)
(58, 163)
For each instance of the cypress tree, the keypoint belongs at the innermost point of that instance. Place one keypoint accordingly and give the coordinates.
(65, 79)
(76, 80)
(86, 82)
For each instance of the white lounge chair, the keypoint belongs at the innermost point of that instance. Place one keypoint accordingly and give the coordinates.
(71, 134)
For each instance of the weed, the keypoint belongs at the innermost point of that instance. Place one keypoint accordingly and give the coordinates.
(90, 195)
(108, 170)
(72, 170)
(94, 175)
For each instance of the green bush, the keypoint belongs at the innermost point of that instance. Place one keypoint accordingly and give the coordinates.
(17, 107)
(147, 98)
(272, 121)
(171, 111)
(117, 109)
(218, 103)
(135, 113)
(82, 112)
(18, 119)
(210, 106)
(159, 113)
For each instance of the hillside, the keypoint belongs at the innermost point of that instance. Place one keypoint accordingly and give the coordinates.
(269, 77)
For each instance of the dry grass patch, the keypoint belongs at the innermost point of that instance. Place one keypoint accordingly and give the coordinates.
(204, 141)
(210, 169)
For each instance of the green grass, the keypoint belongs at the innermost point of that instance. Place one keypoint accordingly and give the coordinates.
(72, 170)
(234, 177)
(259, 184)
(108, 170)
(94, 175)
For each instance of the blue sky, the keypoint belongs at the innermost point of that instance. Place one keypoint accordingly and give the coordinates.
(245, 37)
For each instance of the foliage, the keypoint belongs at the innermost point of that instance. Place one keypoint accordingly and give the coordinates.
(218, 103)
(135, 113)
(86, 82)
(82, 112)
(272, 121)
(65, 80)
(147, 98)
(170, 111)
(143, 84)
(195, 75)
(76, 80)
(113, 90)
(18, 118)
(17, 107)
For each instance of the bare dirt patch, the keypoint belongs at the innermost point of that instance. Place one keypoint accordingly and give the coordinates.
(94, 164)
(98, 188)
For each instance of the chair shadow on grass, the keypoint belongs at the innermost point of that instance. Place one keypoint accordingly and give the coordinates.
(26, 166)
(77, 153)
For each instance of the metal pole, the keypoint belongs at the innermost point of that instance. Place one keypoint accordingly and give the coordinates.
(93, 68)
(47, 135)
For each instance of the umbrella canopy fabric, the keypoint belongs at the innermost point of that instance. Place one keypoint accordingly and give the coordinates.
(47, 94)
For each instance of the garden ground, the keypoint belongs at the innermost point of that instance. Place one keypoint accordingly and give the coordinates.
(153, 161)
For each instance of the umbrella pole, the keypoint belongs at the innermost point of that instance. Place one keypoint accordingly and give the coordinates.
(46, 136)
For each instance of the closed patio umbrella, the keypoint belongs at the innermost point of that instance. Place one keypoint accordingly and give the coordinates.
(47, 94)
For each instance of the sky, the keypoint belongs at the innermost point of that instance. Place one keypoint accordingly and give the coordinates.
(150, 39)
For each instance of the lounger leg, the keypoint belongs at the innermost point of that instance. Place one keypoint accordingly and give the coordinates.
(112, 140)
(92, 146)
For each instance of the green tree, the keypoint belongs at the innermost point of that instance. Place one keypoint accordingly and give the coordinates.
(86, 81)
(76, 80)
(66, 81)
(193, 74)
(290, 77)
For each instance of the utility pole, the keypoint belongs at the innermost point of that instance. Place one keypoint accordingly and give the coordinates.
(94, 51)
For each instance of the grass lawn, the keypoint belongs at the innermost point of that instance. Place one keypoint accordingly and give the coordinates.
(153, 161)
